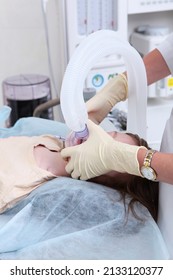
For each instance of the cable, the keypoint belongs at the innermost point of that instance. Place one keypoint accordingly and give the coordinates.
(44, 6)
(44, 2)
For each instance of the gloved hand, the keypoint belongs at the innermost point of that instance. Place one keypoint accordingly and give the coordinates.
(101, 104)
(99, 155)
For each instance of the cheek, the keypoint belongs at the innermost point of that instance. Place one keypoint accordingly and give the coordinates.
(61, 168)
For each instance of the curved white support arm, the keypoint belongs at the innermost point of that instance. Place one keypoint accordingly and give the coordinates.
(87, 54)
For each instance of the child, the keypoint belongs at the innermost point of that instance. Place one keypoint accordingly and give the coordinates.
(28, 162)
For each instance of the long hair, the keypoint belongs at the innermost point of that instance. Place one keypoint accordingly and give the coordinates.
(137, 188)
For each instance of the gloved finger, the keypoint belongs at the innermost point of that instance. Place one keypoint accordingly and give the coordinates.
(94, 129)
(67, 152)
(75, 174)
(69, 167)
(84, 177)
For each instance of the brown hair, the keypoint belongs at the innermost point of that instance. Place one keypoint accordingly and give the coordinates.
(137, 188)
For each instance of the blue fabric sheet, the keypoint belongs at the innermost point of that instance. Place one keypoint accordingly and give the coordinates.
(67, 219)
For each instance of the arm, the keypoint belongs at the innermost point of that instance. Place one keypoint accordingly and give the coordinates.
(156, 66)
(162, 163)
(159, 62)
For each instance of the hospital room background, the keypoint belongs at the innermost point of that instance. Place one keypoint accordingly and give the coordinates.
(38, 37)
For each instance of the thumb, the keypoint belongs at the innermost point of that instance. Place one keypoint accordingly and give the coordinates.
(67, 152)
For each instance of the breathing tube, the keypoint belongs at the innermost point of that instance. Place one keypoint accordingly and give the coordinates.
(95, 46)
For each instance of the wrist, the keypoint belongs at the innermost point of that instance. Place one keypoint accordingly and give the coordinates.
(141, 155)
(145, 158)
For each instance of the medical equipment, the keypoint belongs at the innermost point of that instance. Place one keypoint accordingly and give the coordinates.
(144, 39)
(23, 93)
(44, 9)
(84, 17)
(82, 60)
(148, 6)
(81, 18)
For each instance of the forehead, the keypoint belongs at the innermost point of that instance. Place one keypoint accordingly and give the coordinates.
(123, 137)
